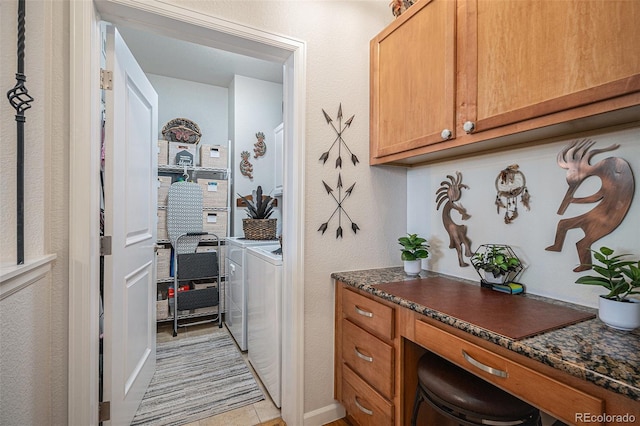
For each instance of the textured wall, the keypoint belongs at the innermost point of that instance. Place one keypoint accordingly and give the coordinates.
(548, 273)
(33, 343)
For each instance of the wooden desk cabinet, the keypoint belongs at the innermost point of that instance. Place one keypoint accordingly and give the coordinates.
(447, 74)
(378, 344)
(365, 355)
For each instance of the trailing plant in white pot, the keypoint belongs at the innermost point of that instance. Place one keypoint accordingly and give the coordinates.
(414, 249)
(622, 279)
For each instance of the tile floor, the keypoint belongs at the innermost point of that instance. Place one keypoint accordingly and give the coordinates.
(250, 415)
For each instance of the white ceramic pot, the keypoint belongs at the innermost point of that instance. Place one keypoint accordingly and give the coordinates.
(488, 277)
(424, 264)
(412, 267)
(619, 315)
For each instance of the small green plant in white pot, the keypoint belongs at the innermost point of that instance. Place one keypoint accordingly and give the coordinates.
(621, 277)
(414, 249)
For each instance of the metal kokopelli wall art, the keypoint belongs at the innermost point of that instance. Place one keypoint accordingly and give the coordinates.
(614, 196)
(449, 193)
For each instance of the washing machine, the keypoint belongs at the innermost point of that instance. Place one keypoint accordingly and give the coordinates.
(236, 294)
(264, 316)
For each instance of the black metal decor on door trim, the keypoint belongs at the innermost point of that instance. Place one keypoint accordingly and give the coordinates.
(20, 100)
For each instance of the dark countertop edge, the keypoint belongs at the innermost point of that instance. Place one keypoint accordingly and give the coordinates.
(517, 346)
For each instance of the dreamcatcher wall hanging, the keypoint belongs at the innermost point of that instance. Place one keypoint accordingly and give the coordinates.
(510, 184)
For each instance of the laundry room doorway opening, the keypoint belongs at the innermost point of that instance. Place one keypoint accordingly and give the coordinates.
(168, 20)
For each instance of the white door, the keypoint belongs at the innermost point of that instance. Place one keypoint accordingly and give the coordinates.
(130, 219)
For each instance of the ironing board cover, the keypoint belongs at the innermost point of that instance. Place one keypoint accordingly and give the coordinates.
(184, 215)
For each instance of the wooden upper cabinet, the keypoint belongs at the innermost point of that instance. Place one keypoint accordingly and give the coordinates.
(500, 72)
(534, 58)
(413, 79)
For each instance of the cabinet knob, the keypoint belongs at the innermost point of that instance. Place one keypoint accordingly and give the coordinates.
(446, 134)
(469, 126)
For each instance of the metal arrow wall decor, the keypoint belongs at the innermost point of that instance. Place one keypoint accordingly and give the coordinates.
(20, 100)
(339, 139)
(339, 209)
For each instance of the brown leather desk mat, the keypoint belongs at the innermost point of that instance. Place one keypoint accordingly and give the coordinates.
(512, 316)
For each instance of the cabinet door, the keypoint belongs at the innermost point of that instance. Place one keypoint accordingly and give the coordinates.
(530, 58)
(413, 80)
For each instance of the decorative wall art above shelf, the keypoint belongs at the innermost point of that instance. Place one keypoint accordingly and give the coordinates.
(511, 183)
(614, 196)
(340, 199)
(339, 139)
(449, 194)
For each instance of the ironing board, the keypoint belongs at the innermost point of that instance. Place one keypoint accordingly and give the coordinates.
(185, 229)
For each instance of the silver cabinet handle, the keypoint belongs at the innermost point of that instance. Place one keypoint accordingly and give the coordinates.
(363, 356)
(469, 126)
(363, 312)
(446, 134)
(364, 410)
(484, 367)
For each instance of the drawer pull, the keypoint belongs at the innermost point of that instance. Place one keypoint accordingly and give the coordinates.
(363, 356)
(363, 312)
(484, 367)
(361, 408)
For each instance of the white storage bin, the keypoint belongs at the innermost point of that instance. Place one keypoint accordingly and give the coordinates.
(213, 156)
(176, 148)
(214, 222)
(163, 152)
(214, 192)
(163, 263)
(162, 225)
(164, 182)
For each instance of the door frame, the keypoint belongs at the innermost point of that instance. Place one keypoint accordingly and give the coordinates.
(84, 167)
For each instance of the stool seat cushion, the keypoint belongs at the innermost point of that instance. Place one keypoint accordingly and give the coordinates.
(468, 392)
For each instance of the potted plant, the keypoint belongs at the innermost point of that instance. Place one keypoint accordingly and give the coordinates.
(622, 279)
(258, 226)
(498, 263)
(414, 249)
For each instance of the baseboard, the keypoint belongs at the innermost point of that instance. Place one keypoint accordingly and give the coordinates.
(324, 415)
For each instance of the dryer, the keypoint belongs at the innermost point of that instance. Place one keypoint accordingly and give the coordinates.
(264, 316)
(236, 294)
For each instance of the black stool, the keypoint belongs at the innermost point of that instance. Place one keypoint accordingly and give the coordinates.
(466, 398)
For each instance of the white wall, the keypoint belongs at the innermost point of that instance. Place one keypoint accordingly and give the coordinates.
(34, 320)
(204, 104)
(548, 273)
(257, 107)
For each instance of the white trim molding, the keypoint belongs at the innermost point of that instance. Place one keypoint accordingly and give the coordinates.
(324, 415)
(15, 278)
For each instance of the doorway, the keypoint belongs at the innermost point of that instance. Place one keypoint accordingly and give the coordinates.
(84, 199)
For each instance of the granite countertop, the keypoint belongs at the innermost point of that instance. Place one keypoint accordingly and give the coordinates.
(589, 350)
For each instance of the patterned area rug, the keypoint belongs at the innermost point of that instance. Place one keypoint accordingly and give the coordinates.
(195, 378)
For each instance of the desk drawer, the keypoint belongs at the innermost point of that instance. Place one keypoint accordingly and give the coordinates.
(559, 399)
(368, 314)
(368, 356)
(363, 403)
